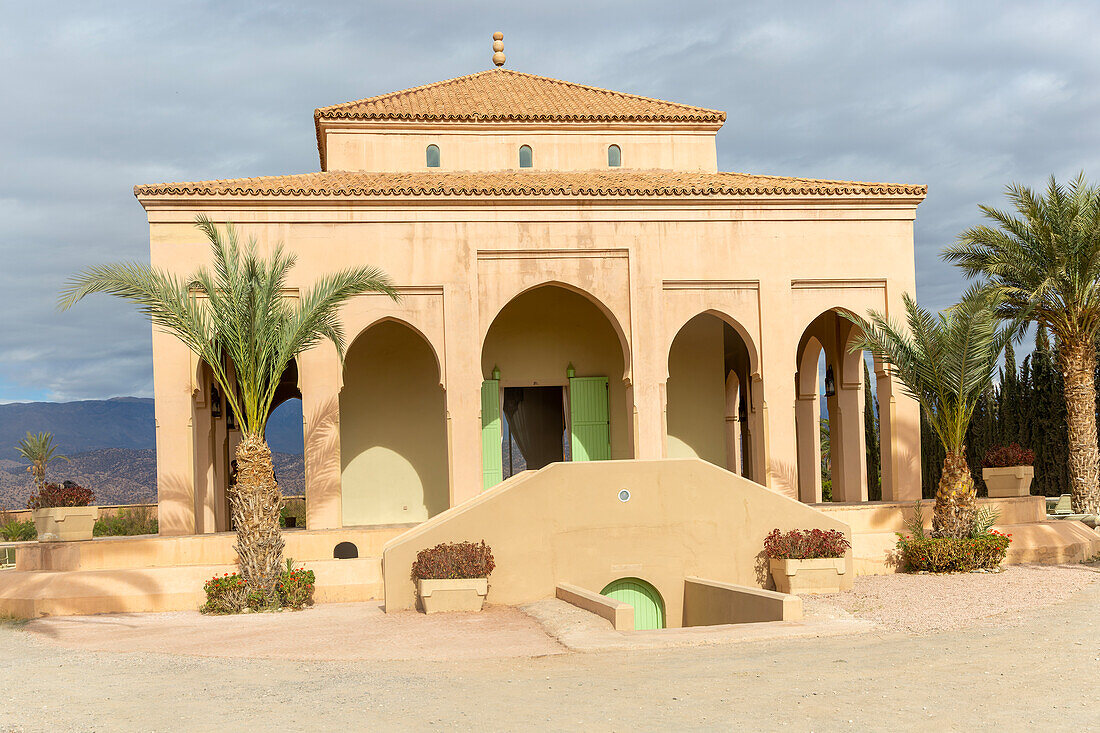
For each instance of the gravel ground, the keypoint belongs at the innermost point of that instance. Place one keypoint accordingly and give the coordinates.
(920, 604)
(1039, 675)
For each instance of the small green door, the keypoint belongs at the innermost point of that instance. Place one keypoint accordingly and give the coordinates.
(590, 434)
(649, 609)
(492, 459)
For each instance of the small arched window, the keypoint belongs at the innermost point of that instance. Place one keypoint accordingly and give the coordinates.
(526, 156)
(614, 156)
(433, 156)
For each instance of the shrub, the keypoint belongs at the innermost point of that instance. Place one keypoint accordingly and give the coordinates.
(55, 495)
(953, 555)
(227, 593)
(13, 530)
(126, 522)
(454, 560)
(1002, 456)
(805, 544)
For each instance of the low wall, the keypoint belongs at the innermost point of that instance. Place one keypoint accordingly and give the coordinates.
(22, 515)
(567, 524)
(150, 551)
(1035, 539)
(711, 603)
(621, 615)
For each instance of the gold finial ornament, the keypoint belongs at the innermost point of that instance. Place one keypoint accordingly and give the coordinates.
(498, 49)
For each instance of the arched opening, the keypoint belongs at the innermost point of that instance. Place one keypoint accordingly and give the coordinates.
(836, 415)
(393, 438)
(708, 395)
(552, 362)
(285, 437)
(614, 156)
(526, 156)
(649, 607)
(432, 155)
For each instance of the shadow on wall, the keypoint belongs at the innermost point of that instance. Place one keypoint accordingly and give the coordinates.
(393, 433)
(322, 448)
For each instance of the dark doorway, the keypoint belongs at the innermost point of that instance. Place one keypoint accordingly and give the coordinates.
(534, 428)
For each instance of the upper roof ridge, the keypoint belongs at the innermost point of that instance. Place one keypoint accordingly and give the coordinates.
(536, 102)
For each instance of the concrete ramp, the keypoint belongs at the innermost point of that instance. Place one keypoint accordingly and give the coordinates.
(587, 524)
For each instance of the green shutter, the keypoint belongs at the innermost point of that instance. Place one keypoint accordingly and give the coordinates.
(492, 469)
(649, 610)
(590, 437)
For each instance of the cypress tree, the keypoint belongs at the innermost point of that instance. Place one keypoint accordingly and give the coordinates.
(871, 438)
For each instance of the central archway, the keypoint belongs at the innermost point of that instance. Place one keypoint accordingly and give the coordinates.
(552, 363)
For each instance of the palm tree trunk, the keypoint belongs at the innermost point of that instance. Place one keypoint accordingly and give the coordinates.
(255, 505)
(1078, 362)
(955, 499)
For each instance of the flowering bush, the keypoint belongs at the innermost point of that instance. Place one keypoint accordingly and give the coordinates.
(953, 555)
(55, 495)
(227, 593)
(1002, 456)
(454, 560)
(805, 544)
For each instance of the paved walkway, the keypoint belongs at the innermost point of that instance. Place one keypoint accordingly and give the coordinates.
(1038, 675)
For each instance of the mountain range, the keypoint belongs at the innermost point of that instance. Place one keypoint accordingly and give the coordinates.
(111, 446)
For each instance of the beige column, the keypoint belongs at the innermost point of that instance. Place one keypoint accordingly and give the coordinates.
(172, 389)
(848, 439)
(807, 421)
(205, 479)
(461, 359)
(319, 379)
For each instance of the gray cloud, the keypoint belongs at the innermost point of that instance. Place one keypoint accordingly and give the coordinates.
(963, 97)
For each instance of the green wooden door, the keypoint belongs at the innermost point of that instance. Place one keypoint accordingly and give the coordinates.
(590, 436)
(492, 465)
(649, 609)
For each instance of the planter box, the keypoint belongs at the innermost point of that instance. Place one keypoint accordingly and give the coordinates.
(65, 523)
(1008, 481)
(464, 594)
(819, 575)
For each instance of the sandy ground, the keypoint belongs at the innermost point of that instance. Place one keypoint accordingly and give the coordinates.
(1032, 669)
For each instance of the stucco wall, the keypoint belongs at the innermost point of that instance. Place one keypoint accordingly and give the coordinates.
(553, 149)
(696, 392)
(566, 524)
(392, 429)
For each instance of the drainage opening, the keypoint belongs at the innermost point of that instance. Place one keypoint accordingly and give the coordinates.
(345, 551)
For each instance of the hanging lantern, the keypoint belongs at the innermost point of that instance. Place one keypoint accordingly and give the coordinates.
(215, 403)
(830, 383)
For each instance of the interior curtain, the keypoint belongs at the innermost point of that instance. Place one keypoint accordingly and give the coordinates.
(536, 420)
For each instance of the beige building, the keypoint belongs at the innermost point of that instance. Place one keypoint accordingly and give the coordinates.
(578, 282)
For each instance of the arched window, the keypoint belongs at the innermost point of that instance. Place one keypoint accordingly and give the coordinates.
(526, 156)
(433, 156)
(614, 156)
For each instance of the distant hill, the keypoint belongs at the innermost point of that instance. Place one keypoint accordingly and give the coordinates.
(122, 422)
(111, 446)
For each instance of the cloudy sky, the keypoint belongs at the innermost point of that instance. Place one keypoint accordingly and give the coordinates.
(98, 97)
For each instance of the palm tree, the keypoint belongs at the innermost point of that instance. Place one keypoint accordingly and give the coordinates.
(1044, 260)
(237, 318)
(944, 362)
(38, 448)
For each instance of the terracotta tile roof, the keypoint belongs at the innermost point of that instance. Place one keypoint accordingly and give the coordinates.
(503, 95)
(549, 184)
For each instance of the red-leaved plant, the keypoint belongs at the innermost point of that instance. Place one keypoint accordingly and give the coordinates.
(805, 544)
(1003, 456)
(55, 495)
(454, 560)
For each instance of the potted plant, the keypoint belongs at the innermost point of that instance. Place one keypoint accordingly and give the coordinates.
(1008, 471)
(453, 576)
(806, 561)
(63, 512)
